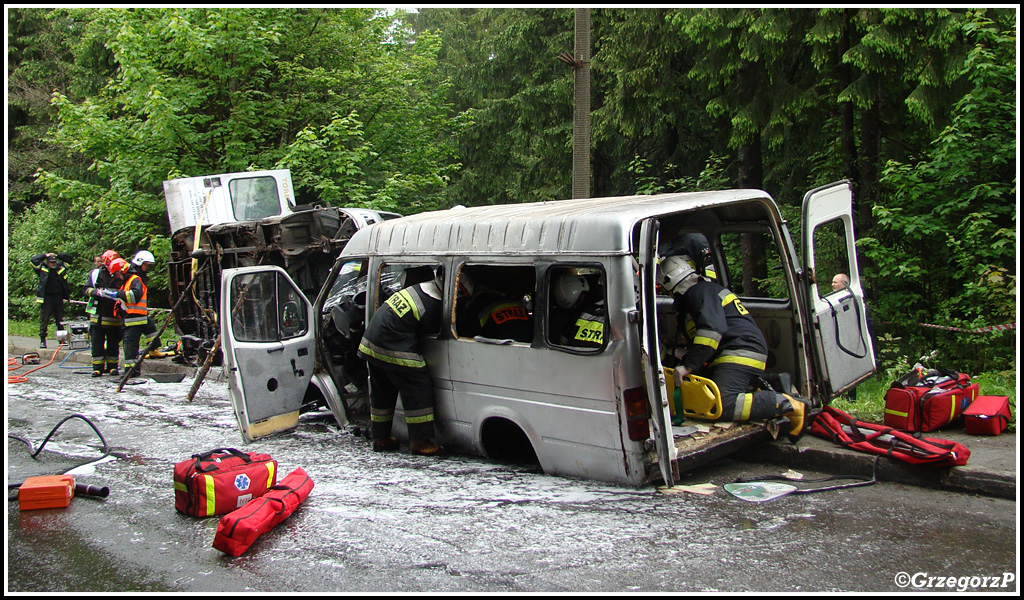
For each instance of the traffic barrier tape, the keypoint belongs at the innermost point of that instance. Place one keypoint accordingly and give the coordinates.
(978, 330)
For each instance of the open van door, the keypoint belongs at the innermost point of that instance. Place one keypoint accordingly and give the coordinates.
(657, 393)
(269, 348)
(842, 343)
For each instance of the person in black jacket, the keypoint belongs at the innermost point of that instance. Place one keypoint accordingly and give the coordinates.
(726, 346)
(391, 348)
(104, 326)
(52, 291)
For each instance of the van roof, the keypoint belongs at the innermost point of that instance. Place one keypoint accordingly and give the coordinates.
(582, 226)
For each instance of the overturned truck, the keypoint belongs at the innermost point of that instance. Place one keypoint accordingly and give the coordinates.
(246, 219)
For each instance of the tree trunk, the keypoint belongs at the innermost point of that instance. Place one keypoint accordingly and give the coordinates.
(847, 136)
(752, 247)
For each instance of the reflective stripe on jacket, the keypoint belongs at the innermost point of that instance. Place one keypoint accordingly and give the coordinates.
(134, 296)
(719, 328)
(392, 335)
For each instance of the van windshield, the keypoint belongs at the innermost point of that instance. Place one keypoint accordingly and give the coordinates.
(254, 198)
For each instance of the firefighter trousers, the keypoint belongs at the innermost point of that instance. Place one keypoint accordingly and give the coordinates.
(135, 338)
(739, 403)
(51, 306)
(417, 391)
(106, 346)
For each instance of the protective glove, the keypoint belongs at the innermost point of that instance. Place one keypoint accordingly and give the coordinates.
(108, 294)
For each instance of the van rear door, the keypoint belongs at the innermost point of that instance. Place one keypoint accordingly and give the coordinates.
(650, 353)
(269, 347)
(842, 346)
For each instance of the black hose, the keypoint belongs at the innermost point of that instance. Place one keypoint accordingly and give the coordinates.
(88, 490)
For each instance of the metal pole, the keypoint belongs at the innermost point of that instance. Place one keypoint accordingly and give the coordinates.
(581, 107)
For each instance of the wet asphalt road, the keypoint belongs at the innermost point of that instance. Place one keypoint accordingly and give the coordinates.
(400, 523)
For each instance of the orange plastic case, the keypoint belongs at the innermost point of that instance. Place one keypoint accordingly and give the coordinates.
(50, 491)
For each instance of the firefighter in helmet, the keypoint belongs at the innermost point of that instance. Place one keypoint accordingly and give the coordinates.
(392, 350)
(726, 346)
(139, 329)
(104, 326)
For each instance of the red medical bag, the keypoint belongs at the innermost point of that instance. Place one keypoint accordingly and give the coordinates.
(219, 481)
(987, 415)
(240, 528)
(928, 402)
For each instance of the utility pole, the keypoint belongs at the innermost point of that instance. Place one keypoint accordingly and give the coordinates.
(580, 63)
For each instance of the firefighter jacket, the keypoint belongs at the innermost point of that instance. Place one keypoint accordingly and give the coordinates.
(134, 298)
(51, 279)
(101, 309)
(719, 328)
(586, 328)
(503, 318)
(392, 336)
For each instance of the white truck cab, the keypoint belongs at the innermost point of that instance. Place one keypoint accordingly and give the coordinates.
(602, 411)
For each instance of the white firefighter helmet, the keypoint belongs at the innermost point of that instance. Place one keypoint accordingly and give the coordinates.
(143, 256)
(568, 289)
(673, 270)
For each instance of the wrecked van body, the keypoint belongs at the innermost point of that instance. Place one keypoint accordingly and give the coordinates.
(242, 219)
(602, 412)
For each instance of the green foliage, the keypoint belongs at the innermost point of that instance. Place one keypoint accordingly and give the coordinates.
(956, 208)
(339, 96)
(515, 145)
(46, 227)
(711, 178)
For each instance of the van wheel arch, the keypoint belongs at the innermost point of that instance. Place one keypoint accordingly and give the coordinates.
(502, 439)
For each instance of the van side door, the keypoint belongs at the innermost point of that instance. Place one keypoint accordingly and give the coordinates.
(650, 352)
(842, 346)
(269, 348)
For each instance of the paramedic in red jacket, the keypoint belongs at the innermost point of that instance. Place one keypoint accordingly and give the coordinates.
(391, 348)
(726, 346)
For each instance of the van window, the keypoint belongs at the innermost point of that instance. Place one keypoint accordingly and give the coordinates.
(830, 255)
(396, 277)
(267, 308)
(254, 198)
(500, 307)
(577, 317)
(761, 275)
(349, 287)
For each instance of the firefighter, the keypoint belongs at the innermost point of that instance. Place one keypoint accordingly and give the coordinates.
(577, 321)
(695, 246)
(498, 316)
(726, 346)
(139, 329)
(392, 350)
(52, 291)
(104, 327)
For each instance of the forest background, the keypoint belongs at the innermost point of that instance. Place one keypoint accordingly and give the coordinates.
(415, 110)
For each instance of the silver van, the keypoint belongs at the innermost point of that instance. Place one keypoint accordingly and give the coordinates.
(600, 411)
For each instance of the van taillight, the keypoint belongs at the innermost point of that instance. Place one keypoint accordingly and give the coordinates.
(637, 414)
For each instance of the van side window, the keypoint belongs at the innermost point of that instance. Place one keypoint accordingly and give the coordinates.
(763, 277)
(577, 316)
(500, 307)
(396, 277)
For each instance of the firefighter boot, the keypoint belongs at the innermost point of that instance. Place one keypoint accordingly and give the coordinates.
(42, 342)
(795, 409)
(385, 445)
(425, 447)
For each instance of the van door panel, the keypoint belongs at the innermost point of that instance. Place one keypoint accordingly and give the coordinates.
(841, 341)
(657, 394)
(268, 341)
